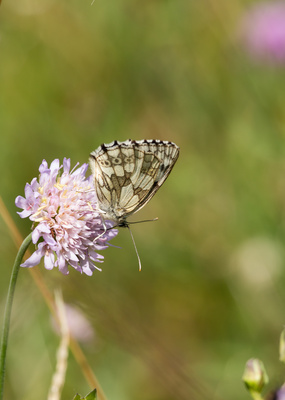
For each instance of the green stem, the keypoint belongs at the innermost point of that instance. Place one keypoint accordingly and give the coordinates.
(256, 395)
(8, 309)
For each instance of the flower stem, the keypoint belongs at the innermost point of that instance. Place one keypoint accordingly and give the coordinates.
(256, 395)
(8, 309)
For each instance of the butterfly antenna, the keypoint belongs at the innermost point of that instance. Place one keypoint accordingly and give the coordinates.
(139, 260)
(145, 220)
(130, 223)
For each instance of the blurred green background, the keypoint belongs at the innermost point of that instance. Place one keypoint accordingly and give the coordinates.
(210, 295)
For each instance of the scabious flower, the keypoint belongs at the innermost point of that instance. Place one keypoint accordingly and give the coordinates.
(67, 228)
(263, 31)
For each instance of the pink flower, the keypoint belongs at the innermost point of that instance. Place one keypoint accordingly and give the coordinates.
(68, 229)
(78, 325)
(263, 31)
(280, 394)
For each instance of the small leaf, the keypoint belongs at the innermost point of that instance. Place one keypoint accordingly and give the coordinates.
(92, 395)
(77, 397)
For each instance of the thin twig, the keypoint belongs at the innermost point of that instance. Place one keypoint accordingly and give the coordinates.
(58, 378)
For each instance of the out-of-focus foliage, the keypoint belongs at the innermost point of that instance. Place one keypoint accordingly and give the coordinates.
(211, 292)
(90, 396)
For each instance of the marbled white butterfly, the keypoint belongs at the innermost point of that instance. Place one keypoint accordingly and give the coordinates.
(128, 174)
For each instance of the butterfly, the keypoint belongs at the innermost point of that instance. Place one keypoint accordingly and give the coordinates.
(128, 174)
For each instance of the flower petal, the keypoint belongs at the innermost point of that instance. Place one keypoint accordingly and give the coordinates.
(35, 257)
(49, 260)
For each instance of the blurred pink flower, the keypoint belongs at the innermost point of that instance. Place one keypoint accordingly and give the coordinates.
(280, 394)
(263, 31)
(79, 326)
(67, 228)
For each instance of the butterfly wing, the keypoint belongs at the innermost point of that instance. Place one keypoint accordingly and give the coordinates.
(109, 178)
(128, 174)
(159, 158)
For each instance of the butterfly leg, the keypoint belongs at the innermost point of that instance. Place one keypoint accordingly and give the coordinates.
(102, 220)
(104, 226)
(103, 233)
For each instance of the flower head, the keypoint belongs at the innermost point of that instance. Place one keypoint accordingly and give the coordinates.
(68, 229)
(263, 31)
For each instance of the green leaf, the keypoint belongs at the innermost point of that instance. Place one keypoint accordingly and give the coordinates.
(92, 395)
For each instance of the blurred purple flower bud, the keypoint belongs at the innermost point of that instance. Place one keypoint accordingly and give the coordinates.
(280, 394)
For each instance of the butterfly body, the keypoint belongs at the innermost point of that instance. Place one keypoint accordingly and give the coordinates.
(128, 174)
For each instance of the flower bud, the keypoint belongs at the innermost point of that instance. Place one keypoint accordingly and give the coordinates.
(282, 347)
(255, 376)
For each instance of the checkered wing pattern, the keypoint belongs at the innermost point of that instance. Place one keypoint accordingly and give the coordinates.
(128, 174)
